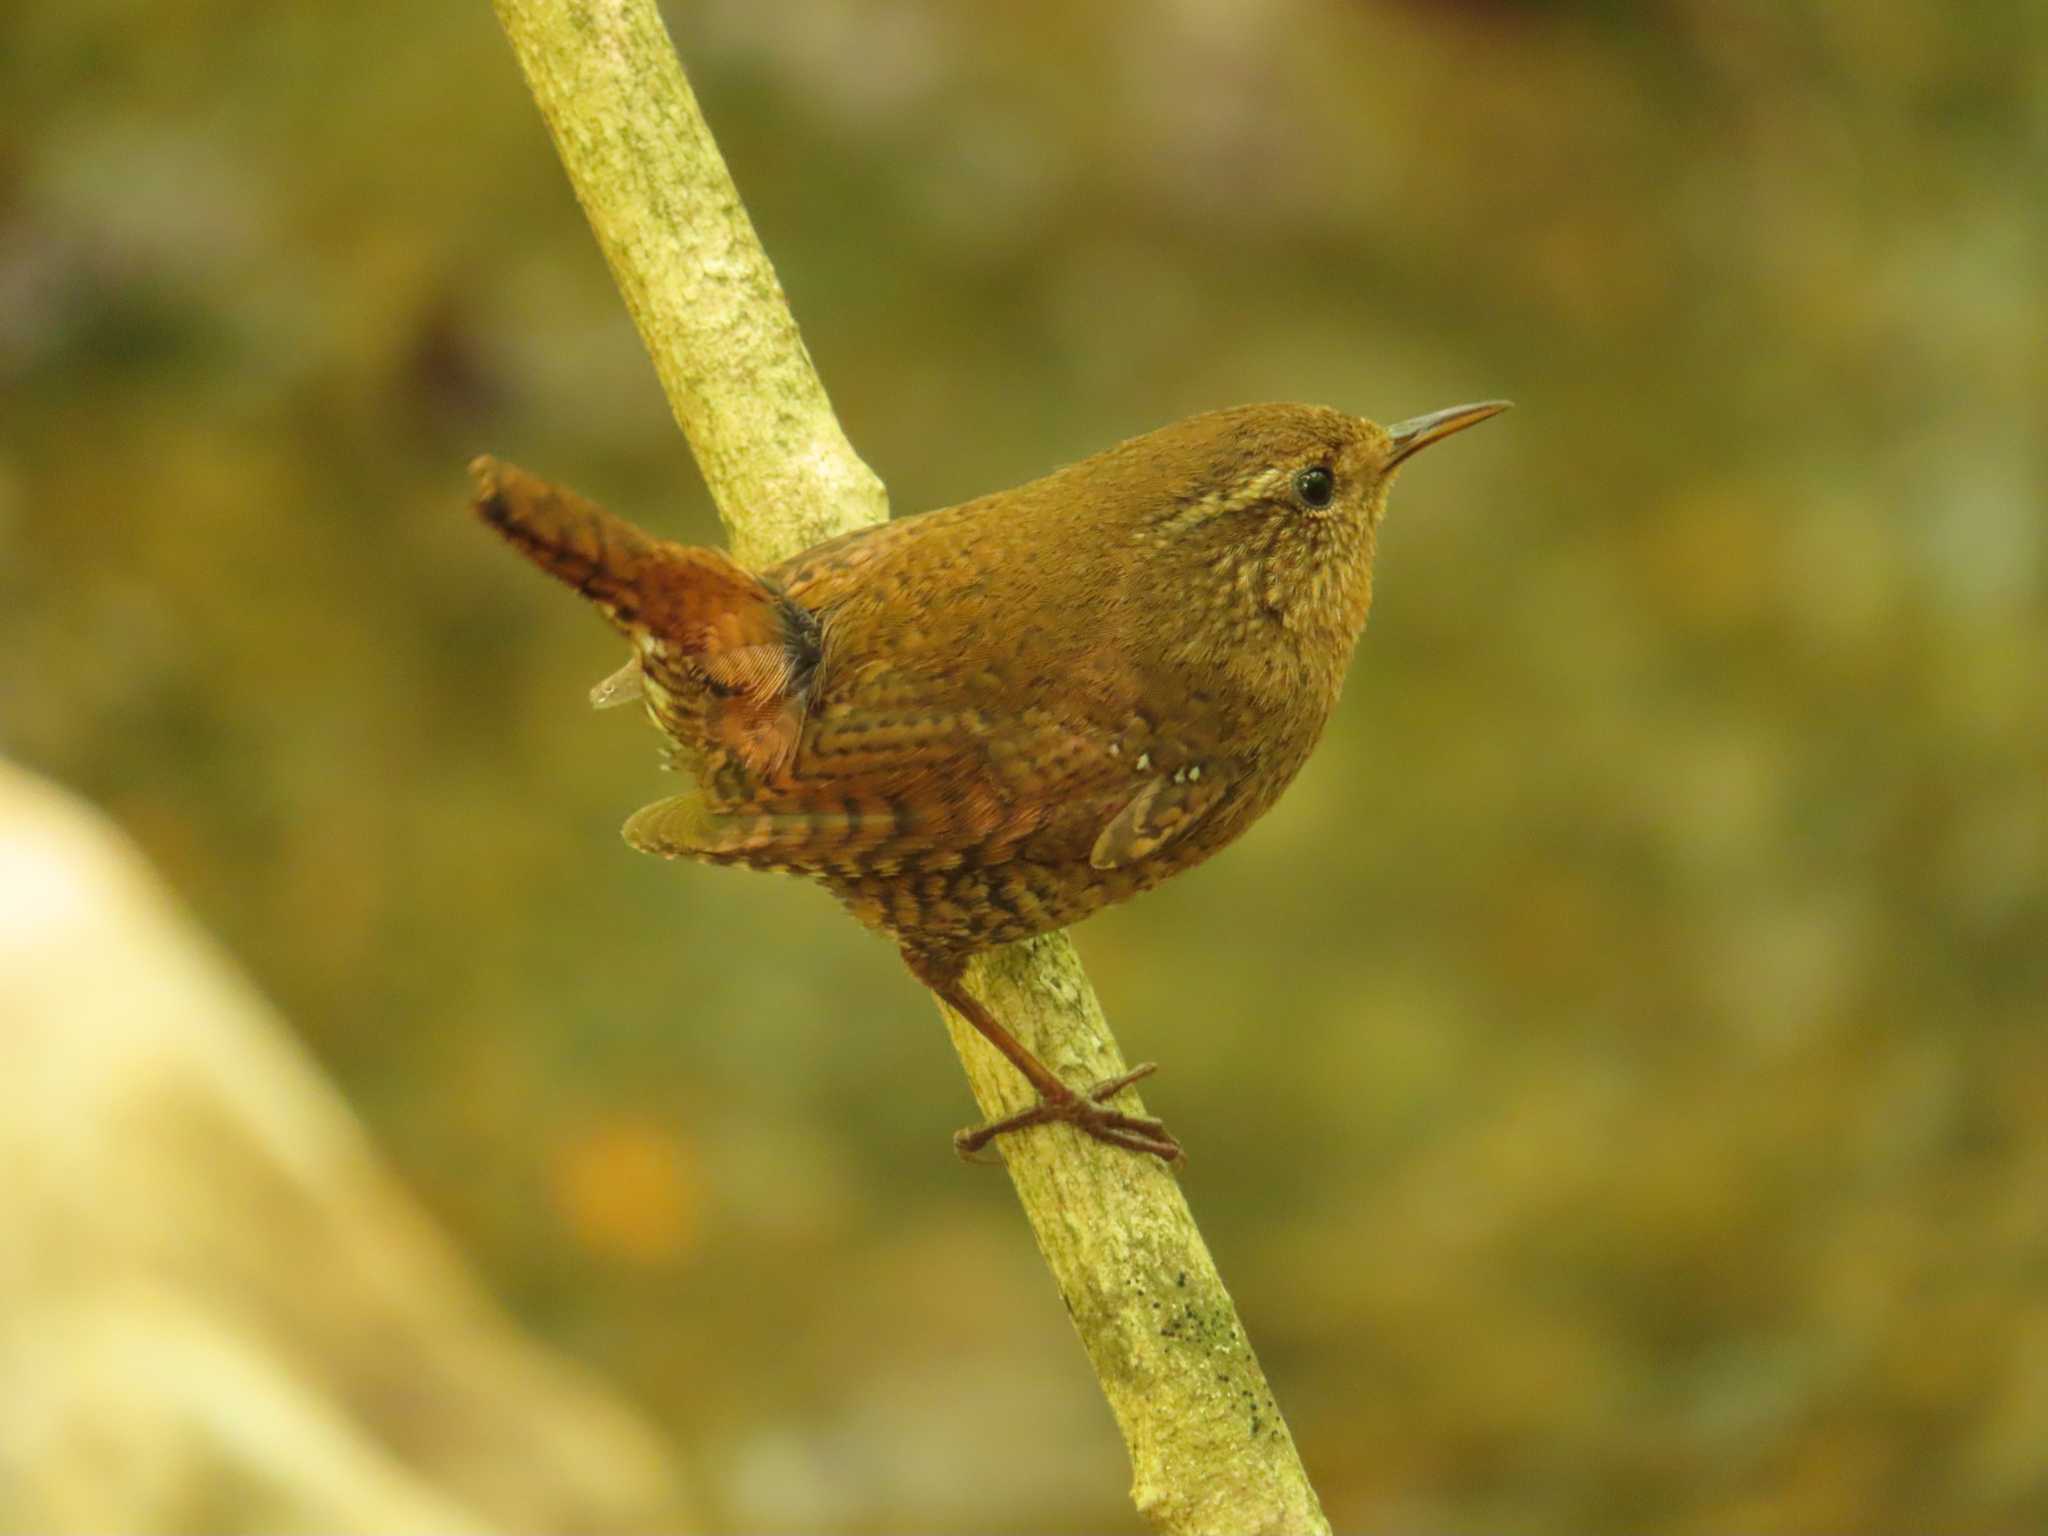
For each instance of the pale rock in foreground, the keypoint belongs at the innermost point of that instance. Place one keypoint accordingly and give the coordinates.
(218, 1310)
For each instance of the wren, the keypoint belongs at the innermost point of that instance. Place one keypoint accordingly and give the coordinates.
(982, 723)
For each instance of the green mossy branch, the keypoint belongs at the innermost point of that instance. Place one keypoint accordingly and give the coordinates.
(693, 274)
(1209, 1451)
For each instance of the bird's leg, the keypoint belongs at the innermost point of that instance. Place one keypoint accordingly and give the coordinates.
(1087, 1110)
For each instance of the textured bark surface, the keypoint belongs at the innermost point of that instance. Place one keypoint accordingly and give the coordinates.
(1209, 1450)
(693, 274)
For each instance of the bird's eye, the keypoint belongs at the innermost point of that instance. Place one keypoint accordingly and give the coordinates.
(1315, 486)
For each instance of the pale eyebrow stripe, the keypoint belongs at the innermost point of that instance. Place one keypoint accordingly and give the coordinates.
(1193, 514)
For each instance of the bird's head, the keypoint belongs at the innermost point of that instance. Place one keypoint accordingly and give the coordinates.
(1266, 514)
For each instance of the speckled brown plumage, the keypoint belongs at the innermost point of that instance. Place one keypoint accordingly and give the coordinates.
(986, 722)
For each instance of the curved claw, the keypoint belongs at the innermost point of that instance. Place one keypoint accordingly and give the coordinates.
(1110, 1087)
(968, 1143)
(1088, 1113)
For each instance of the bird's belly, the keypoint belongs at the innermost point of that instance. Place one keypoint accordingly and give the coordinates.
(976, 906)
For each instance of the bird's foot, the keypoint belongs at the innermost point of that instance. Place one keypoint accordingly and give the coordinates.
(1088, 1112)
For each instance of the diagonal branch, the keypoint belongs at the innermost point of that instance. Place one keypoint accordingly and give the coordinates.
(1209, 1451)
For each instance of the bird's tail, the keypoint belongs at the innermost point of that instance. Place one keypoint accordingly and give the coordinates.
(730, 654)
(637, 581)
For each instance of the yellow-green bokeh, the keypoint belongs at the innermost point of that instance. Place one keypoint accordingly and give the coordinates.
(1617, 1074)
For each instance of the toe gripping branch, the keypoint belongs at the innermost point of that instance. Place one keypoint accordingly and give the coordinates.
(1087, 1110)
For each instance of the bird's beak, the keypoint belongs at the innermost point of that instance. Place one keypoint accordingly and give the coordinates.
(1418, 432)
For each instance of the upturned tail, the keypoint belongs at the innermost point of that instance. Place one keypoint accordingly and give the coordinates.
(731, 656)
(635, 579)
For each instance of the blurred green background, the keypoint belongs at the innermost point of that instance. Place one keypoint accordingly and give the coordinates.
(1615, 1076)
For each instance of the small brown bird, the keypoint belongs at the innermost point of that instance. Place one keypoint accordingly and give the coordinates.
(986, 722)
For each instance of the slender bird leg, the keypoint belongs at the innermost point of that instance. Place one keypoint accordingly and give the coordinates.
(1086, 1111)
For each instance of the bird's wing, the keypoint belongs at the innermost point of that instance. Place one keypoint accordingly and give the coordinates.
(924, 794)
(912, 784)
(726, 657)
(994, 725)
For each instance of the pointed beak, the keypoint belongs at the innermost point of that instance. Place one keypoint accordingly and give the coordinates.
(1418, 432)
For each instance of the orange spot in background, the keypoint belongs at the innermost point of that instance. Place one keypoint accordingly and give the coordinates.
(627, 1190)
